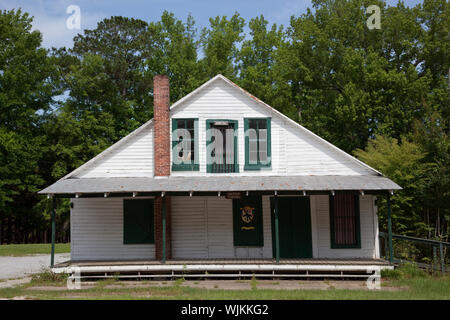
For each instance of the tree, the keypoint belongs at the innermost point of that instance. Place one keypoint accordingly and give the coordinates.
(177, 54)
(350, 83)
(403, 163)
(220, 46)
(26, 92)
(257, 57)
(114, 53)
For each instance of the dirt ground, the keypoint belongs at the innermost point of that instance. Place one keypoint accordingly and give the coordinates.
(233, 285)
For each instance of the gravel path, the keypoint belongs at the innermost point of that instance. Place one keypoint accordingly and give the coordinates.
(19, 267)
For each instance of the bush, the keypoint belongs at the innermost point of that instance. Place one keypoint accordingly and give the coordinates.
(405, 271)
(47, 276)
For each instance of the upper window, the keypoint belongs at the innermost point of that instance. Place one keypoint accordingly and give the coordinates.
(257, 143)
(344, 221)
(221, 146)
(138, 221)
(185, 145)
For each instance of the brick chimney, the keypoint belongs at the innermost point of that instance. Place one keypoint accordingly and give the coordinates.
(161, 149)
(161, 117)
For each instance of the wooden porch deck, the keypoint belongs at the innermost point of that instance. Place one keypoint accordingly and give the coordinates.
(225, 268)
(347, 262)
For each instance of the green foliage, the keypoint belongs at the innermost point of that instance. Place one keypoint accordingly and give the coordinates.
(220, 46)
(383, 91)
(401, 162)
(47, 277)
(26, 95)
(18, 250)
(257, 56)
(405, 271)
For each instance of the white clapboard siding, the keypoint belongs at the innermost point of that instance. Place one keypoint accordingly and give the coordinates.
(267, 250)
(97, 232)
(133, 158)
(294, 151)
(220, 227)
(322, 230)
(188, 220)
(202, 227)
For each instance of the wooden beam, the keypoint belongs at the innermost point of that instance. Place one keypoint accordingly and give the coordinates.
(391, 249)
(277, 236)
(210, 193)
(163, 229)
(53, 217)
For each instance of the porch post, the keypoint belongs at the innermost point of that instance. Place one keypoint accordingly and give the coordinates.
(53, 214)
(277, 237)
(391, 250)
(163, 214)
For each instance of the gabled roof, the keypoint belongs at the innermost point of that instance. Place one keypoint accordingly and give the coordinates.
(88, 164)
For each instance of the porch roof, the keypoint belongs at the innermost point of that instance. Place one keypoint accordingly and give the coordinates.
(220, 183)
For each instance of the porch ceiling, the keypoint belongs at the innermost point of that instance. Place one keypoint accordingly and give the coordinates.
(221, 183)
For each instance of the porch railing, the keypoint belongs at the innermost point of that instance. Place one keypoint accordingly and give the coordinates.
(436, 245)
(222, 168)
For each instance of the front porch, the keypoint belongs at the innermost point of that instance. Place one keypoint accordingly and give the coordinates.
(225, 268)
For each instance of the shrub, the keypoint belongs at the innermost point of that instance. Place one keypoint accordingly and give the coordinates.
(405, 271)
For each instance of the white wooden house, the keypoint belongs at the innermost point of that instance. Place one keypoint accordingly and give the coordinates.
(242, 187)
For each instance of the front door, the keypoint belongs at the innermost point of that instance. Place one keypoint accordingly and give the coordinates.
(294, 224)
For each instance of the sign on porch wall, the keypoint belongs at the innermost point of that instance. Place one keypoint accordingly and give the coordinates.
(233, 195)
(248, 221)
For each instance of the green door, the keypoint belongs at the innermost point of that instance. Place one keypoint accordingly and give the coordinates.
(294, 221)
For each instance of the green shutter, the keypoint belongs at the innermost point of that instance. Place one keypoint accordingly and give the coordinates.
(248, 230)
(193, 165)
(259, 165)
(138, 221)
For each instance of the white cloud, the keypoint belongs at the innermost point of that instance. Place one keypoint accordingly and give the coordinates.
(50, 18)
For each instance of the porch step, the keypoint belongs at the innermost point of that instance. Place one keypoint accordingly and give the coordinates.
(232, 276)
(209, 271)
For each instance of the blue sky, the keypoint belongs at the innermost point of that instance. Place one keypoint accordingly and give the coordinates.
(50, 15)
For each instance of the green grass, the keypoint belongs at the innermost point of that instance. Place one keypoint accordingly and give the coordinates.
(405, 283)
(433, 288)
(18, 250)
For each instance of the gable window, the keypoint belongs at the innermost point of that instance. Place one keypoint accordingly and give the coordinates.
(344, 221)
(221, 146)
(257, 143)
(138, 221)
(185, 145)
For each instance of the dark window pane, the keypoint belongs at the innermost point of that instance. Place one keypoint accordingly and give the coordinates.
(344, 219)
(181, 124)
(262, 124)
(190, 124)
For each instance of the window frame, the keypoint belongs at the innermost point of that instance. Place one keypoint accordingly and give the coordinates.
(194, 165)
(126, 240)
(258, 166)
(335, 245)
(235, 144)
